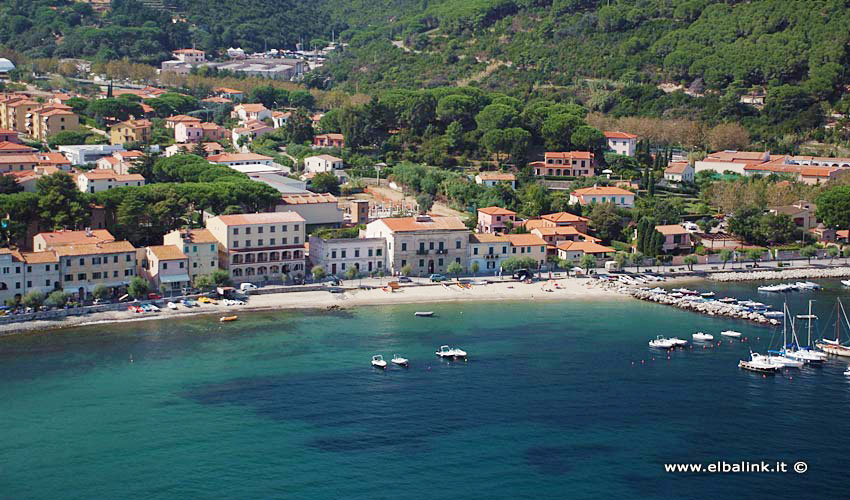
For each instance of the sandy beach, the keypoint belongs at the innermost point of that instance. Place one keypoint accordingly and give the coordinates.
(559, 289)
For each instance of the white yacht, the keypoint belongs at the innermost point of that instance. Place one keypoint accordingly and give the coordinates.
(804, 354)
(758, 363)
(398, 360)
(703, 337)
(661, 342)
(678, 342)
(847, 371)
(378, 362)
(731, 333)
(835, 347)
(779, 358)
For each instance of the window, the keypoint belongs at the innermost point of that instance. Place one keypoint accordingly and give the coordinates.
(212, 247)
(356, 253)
(260, 230)
(235, 231)
(440, 262)
(129, 257)
(333, 254)
(295, 240)
(379, 251)
(370, 252)
(380, 264)
(165, 265)
(115, 273)
(513, 250)
(29, 270)
(114, 259)
(195, 265)
(82, 262)
(403, 263)
(68, 277)
(247, 230)
(457, 244)
(95, 276)
(46, 282)
(272, 241)
(67, 262)
(235, 244)
(182, 264)
(29, 284)
(81, 276)
(343, 253)
(259, 242)
(404, 247)
(475, 251)
(283, 241)
(271, 229)
(421, 262)
(295, 227)
(283, 228)
(457, 259)
(430, 245)
(247, 243)
(194, 248)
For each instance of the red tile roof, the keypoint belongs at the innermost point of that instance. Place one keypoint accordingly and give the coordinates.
(432, 223)
(263, 218)
(496, 211)
(601, 190)
(564, 217)
(619, 135)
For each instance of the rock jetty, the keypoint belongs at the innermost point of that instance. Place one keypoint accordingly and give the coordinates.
(699, 305)
(785, 274)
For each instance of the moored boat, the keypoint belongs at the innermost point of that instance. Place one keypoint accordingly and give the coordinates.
(398, 360)
(730, 333)
(661, 342)
(702, 337)
(424, 313)
(678, 342)
(225, 319)
(378, 362)
(758, 363)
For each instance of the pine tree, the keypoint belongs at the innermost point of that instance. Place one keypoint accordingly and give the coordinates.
(109, 90)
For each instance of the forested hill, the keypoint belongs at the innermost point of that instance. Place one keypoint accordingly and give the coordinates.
(506, 44)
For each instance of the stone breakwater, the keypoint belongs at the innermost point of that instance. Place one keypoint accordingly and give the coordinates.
(697, 305)
(785, 274)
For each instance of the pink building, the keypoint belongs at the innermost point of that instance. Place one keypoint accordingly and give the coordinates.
(199, 132)
(166, 267)
(566, 164)
(492, 219)
(7, 135)
(329, 141)
(676, 238)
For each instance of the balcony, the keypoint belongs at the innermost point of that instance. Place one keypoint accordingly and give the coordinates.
(422, 251)
(442, 251)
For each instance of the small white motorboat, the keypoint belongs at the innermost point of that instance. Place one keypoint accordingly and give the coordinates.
(678, 342)
(731, 333)
(758, 363)
(707, 294)
(172, 306)
(378, 361)
(782, 361)
(459, 353)
(703, 337)
(847, 371)
(661, 343)
(424, 313)
(445, 352)
(398, 360)
(727, 300)
(845, 282)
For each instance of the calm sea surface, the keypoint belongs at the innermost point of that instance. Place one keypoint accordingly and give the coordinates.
(557, 400)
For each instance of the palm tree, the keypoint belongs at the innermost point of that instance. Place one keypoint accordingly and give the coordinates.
(725, 256)
(637, 260)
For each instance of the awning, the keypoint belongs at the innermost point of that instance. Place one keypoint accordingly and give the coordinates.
(173, 278)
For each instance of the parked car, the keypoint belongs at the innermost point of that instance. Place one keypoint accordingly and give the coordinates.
(244, 287)
(436, 278)
(404, 279)
(154, 296)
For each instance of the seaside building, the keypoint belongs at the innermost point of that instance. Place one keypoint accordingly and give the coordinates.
(41, 271)
(166, 267)
(575, 250)
(428, 244)
(11, 274)
(317, 209)
(200, 248)
(488, 251)
(554, 235)
(85, 266)
(337, 255)
(528, 246)
(676, 238)
(603, 194)
(495, 219)
(42, 242)
(260, 247)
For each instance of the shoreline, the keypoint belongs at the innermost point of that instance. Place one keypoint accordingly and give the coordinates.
(561, 289)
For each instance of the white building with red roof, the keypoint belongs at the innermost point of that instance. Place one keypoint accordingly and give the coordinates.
(603, 194)
(491, 179)
(621, 142)
(679, 171)
(428, 244)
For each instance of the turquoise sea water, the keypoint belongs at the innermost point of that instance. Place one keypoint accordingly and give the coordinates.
(557, 400)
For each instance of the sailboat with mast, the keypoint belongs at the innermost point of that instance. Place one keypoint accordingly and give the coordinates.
(835, 347)
(803, 353)
(779, 358)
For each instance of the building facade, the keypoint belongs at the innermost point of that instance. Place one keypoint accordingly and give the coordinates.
(166, 267)
(494, 219)
(260, 247)
(130, 131)
(603, 194)
(338, 255)
(200, 248)
(488, 251)
(621, 142)
(427, 244)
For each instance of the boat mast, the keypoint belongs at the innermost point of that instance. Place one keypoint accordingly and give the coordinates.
(809, 343)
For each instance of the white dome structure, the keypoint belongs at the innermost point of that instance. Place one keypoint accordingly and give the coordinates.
(6, 65)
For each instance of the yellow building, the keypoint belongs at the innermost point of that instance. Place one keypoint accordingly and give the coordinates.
(14, 111)
(85, 266)
(130, 131)
(50, 120)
